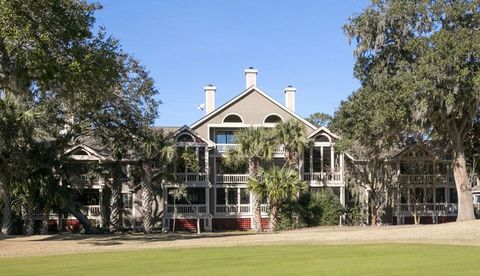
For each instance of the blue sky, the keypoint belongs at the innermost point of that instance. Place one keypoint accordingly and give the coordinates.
(187, 45)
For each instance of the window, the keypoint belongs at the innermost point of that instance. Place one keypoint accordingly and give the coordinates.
(232, 118)
(89, 197)
(201, 159)
(244, 196)
(317, 159)
(327, 159)
(193, 196)
(232, 196)
(273, 119)
(221, 196)
(440, 195)
(453, 195)
(127, 202)
(224, 137)
(184, 138)
(306, 160)
(322, 138)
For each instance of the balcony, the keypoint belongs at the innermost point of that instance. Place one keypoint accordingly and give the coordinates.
(242, 209)
(427, 209)
(232, 178)
(188, 209)
(422, 179)
(222, 148)
(187, 177)
(91, 210)
(335, 177)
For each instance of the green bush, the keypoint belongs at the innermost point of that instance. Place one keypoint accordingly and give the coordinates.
(311, 209)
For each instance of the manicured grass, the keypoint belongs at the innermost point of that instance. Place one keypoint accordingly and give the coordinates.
(378, 259)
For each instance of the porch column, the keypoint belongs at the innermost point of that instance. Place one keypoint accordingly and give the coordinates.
(342, 195)
(100, 203)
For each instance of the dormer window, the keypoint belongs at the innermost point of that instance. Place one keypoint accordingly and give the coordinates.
(272, 119)
(232, 118)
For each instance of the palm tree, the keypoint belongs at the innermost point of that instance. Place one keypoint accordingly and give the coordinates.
(156, 149)
(177, 193)
(254, 146)
(291, 136)
(278, 185)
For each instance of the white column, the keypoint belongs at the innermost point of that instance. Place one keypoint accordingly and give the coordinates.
(342, 195)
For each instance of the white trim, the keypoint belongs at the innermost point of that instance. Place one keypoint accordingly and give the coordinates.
(92, 154)
(184, 133)
(245, 92)
(194, 133)
(326, 130)
(223, 120)
(322, 134)
(271, 114)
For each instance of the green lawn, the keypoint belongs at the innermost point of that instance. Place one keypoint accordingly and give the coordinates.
(381, 259)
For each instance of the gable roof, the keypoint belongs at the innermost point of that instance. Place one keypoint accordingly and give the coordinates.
(187, 128)
(241, 95)
(324, 129)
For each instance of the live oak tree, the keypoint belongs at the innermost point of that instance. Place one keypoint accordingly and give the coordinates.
(432, 48)
(319, 119)
(53, 64)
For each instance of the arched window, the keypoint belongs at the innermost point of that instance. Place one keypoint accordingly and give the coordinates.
(184, 138)
(272, 119)
(322, 138)
(232, 118)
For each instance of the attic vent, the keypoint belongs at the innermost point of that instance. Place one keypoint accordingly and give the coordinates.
(232, 118)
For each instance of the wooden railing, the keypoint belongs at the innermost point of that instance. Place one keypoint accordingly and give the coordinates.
(232, 178)
(233, 209)
(264, 208)
(428, 208)
(322, 177)
(187, 209)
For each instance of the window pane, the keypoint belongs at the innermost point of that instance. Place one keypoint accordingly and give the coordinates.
(453, 195)
(327, 159)
(196, 195)
(201, 157)
(221, 196)
(317, 159)
(232, 196)
(306, 160)
(440, 195)
(220, 137)
(244, 196)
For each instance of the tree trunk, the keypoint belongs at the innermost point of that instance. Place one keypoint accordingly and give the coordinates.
(87, 224)
(6, 211)
(115, 198)
(373, 215)
(147, 198)
(27, 216)
(273, 218)
(257, 213)
(45, 220)
(462, 183)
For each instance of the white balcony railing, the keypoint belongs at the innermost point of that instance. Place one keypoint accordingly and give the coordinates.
(233, 209)
(322, 177)
(422, 179)
(188, 177)
(225, 147)
(232, 178)
(428, 208)
(91, 210)
(187, 209)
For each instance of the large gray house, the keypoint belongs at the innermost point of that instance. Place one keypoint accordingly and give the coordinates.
(218, 195)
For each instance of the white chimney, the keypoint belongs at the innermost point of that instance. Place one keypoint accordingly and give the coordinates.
(251, 76)
(209, 98)
(290, 97)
